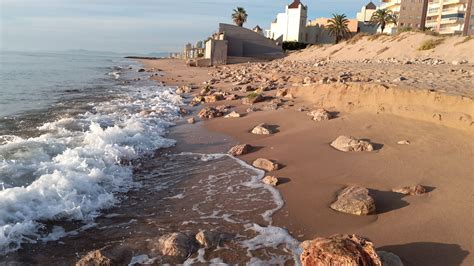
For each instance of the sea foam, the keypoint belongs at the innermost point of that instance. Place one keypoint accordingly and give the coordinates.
(78, 164)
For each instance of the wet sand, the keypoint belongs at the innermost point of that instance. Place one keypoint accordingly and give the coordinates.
(432, 229)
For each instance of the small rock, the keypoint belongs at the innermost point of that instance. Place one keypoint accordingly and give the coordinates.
(213, 98)
(265, 164)
(208, 239)
(399, 79)
(240, 150)
(389, 259)
(176, 245)
(233, 114)
(281, 92)
(191, 120)
(339, 250)
(141, 70)
(95, 258)
(354, 200)
(209, 112)
(253, 98)
(414, 190)
(403, 142)
(351, 144)
(262, 129)
(320, 115)
(270, 180)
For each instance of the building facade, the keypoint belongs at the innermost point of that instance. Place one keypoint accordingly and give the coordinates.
(366, 12)
(450, 16)
(410, 13)
(290, 26)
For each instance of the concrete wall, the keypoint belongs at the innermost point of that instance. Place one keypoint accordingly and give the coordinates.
(216, 52)
(242, 42)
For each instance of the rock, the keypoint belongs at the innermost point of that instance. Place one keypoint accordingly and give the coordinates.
(281, 92)
(265, 164)
(233, 114)
(253, 98)
(213, 98)
(141, 70)
(403, 142)
(209, 112)
(176, 245)
(339, 250)
(320, 115)
(270, 180)
(389, 259)
(191, 120)
(351, 144)
(240, 150)
(183, 89)
(94, 258)
(232, 97)
(399, 79)
(208, 239)
(262, 129)
(414, 190)
(354, 200)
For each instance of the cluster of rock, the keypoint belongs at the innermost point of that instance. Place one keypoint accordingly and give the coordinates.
(351, 144)
(320, 115)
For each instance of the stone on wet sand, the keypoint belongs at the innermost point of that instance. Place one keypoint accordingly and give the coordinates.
(191, 120)
(413, 190)
(240, 150)
(265, 164)
(262, 129)
(176, 245)
(209, 239)
(389, 259)
(354, 200)
(403, 142)
(351, 144)
(339, 250)
(270, 180)
(233, 114)
(213, 98)
(95, 258)
(320, 115)
(209, 112)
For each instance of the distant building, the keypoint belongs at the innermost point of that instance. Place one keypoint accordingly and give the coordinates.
(291, 25)
(450, 16)
(410, 13)
(366, 12)
(258, 30)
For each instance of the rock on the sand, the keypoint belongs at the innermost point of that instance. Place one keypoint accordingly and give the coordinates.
(354, 200)
(351, 144)
(339, 250)
(320, 115)
(270, 180)
(209, 112)
(176, 245)
(414, 190)
(95, 258)
(262, 129)
(233, 114)
(403, 142)
(265, 164)
(191, 120)
(389, 259)
(240, 150)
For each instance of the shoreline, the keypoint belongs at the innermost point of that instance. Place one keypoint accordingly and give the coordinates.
(314, 175)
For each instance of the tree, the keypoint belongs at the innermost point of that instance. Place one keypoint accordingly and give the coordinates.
(338, 27)
(239, 16)
(383, 17)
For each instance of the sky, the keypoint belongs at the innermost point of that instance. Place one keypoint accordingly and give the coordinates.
(136, 26)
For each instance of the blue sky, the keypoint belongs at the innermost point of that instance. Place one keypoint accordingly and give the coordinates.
(139, 26)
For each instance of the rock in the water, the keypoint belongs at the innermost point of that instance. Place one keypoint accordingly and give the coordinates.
(265, 164)
(209, 112)
(414, 190)
(389, 259)
(320, 115)
(346, 144)
(240, 150)
(176, 245)
(339, 250)
(208, 239)
(191, 120)
(233, 114)
(354, 200)
(94, 258)
(270, 180)
(262, 129)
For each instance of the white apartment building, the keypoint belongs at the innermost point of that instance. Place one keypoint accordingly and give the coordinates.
(291, 25)
(448, 16)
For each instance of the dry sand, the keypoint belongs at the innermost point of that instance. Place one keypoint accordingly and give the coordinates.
(432, 229)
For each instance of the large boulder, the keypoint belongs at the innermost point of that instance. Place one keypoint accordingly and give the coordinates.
(351, 144)
(210, 112)
(320, 115)
(389, 259)
(240, 150)
(94, 258)
(209, 239)
(265, 164)
(354, 200)
(339, 250)
(176, 245)
(263, 129)
(413, 190)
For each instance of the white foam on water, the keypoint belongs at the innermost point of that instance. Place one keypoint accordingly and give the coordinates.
(79, 164)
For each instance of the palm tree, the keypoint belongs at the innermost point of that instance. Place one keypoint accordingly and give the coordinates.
(338, 27)
(240, 16)
(383, 17)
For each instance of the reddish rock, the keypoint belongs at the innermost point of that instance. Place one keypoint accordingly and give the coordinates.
(240, 150)
(210, 112)
(270, 180)
(354, 200)
(414, 190)
(94, 258)
(265, 164)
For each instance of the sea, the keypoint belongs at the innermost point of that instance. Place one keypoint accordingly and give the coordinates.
(79, 139)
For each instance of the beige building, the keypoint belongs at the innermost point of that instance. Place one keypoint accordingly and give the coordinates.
(394, 6)
(366, 12)
(450, 16)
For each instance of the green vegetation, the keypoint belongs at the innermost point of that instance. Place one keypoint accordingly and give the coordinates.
(253, 95)
(291, 46)
(239, 16)
(357, 37)
(383, 17)
(338, 27)
(430, 44)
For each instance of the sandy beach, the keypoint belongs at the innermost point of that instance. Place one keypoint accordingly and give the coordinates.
(433, 114)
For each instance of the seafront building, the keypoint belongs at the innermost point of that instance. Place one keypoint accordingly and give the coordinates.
(410, 13)
(450, 16)
(366, 12)
(291, 25)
